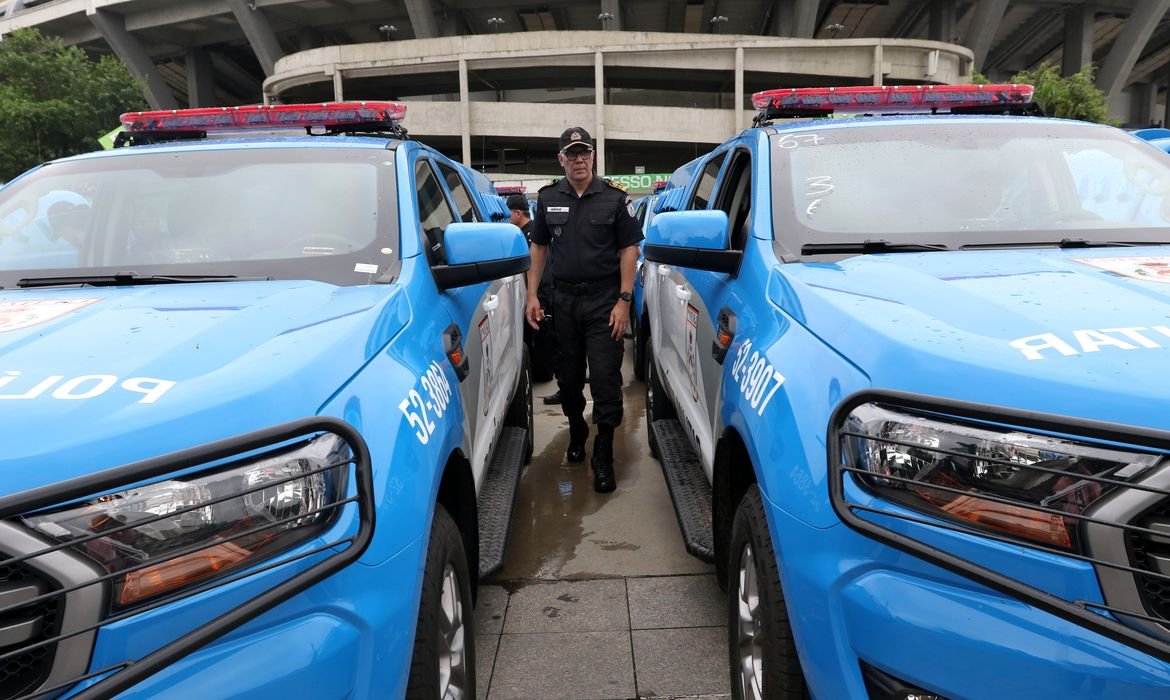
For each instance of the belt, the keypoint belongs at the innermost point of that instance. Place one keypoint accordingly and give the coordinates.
(590, 287)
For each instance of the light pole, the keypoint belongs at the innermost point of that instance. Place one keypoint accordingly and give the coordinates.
(495, 22)
(835, 27)
(388, 30)
(605, 18)
(716, 21)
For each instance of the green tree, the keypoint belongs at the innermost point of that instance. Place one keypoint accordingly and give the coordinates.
(1074, 97)
(55, 101)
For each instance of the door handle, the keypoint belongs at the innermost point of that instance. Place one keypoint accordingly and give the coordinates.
(682, 292)
(491, 303)
(664, 270)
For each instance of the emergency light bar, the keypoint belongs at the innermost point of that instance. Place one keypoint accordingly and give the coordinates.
(660, 185)
(505, 190)
(324, 114)
(896, 98)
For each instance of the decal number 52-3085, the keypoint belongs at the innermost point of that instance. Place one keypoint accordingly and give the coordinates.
(418, 410)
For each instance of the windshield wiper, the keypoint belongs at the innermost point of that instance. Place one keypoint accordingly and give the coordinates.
(126, 278)
(1062, 243)
(871, 246)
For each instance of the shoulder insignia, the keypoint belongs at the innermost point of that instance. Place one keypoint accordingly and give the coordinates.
(615, 184)
(551, 184)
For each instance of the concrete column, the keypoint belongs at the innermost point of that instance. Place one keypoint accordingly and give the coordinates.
(613, 8)
(804, 18)
(1078, 39)
(1166, 115)
(878, 59)
(738, 89)
(113, 28)
(599, 110)
(14, 7)
(259, 33)
(422, 18)
(464, 112)
(984, 25)
(942, 20)
(1143, 103)
(338, 87)
(200, 78)
(1129, 45)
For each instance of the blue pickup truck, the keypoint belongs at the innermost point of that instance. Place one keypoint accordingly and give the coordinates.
(909, 383)
(265, 402)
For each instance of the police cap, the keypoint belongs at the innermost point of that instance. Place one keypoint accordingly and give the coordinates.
(575, 136)
(518, 202)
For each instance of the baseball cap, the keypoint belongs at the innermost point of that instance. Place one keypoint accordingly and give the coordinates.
(575, 136)
(518, 202)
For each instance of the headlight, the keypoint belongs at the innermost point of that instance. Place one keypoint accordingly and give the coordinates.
(1025, 485)
(170, 534)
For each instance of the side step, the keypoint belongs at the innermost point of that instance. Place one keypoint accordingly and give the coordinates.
(689, 489)
(497, 495)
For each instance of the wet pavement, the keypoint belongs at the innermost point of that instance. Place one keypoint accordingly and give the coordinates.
(598, 598)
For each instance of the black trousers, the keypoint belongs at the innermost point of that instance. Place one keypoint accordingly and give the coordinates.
(583, 332)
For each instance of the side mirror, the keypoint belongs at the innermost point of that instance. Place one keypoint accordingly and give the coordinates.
(481, 252)
(695, 239)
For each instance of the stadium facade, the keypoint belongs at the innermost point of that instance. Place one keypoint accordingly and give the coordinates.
(656, 81)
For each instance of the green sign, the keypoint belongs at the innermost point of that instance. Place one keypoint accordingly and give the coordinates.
(644, 181)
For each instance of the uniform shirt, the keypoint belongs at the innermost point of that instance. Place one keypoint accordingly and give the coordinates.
(586, 232)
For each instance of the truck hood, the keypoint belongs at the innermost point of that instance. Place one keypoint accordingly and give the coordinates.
(99, 377)
(1073, 332)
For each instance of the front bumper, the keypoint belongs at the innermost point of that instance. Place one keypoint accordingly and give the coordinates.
(853, 600)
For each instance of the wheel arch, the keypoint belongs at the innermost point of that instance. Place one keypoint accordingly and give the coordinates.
(457, 495)
(733, 474)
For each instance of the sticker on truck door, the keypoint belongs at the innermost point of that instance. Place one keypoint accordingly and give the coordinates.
(485, 341)
(692, 331)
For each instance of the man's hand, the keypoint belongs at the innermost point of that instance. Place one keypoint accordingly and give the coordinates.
(619, 320)
(533, 313)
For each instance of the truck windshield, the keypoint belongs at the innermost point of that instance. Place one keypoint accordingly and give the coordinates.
(288, 213)
(959, 182)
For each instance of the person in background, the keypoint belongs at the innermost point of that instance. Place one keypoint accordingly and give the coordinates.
(542, 343)
(589, 224)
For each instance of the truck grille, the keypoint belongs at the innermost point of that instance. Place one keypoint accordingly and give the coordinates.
(23, 671)
(1152, 553)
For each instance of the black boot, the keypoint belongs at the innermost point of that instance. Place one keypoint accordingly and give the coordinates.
(603, 478)
(578, 434)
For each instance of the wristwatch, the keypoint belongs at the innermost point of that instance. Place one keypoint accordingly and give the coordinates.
(626, 296)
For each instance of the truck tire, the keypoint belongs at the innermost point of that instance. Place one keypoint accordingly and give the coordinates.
(443, 664)
(657, 404)
(641, 342)
(519, 413)
(762, 653)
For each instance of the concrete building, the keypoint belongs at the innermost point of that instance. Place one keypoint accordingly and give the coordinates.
(656, 81)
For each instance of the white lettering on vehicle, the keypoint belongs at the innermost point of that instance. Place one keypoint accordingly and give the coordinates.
(1090, 340)
(753, 374)
(417, 409)
(86, 386)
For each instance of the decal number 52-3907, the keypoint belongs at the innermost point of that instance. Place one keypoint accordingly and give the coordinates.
(758, 380)
(418, 409)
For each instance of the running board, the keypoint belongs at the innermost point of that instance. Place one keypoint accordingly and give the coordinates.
(689, 489)
(497, 495)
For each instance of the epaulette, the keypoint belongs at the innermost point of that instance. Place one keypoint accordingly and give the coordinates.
(551, 184)
(615, 184)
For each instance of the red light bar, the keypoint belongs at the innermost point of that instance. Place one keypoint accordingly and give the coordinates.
(265, 116)
(660, 185)
(891, 98)
(503, 190)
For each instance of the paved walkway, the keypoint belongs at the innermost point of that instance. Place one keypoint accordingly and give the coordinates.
(598, 599)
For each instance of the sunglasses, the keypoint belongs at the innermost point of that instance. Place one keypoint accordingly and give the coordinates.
(578, 154)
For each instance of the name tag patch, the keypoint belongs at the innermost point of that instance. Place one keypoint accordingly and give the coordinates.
(557, 210)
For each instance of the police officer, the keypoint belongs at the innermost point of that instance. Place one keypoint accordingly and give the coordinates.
(589, 222)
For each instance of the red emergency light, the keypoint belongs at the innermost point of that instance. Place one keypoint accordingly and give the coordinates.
(660, 185)
(505, 190)
(322, 114)
(894, 98)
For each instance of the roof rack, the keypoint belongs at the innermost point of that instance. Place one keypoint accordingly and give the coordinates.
(322, 118)
(1013, 99)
